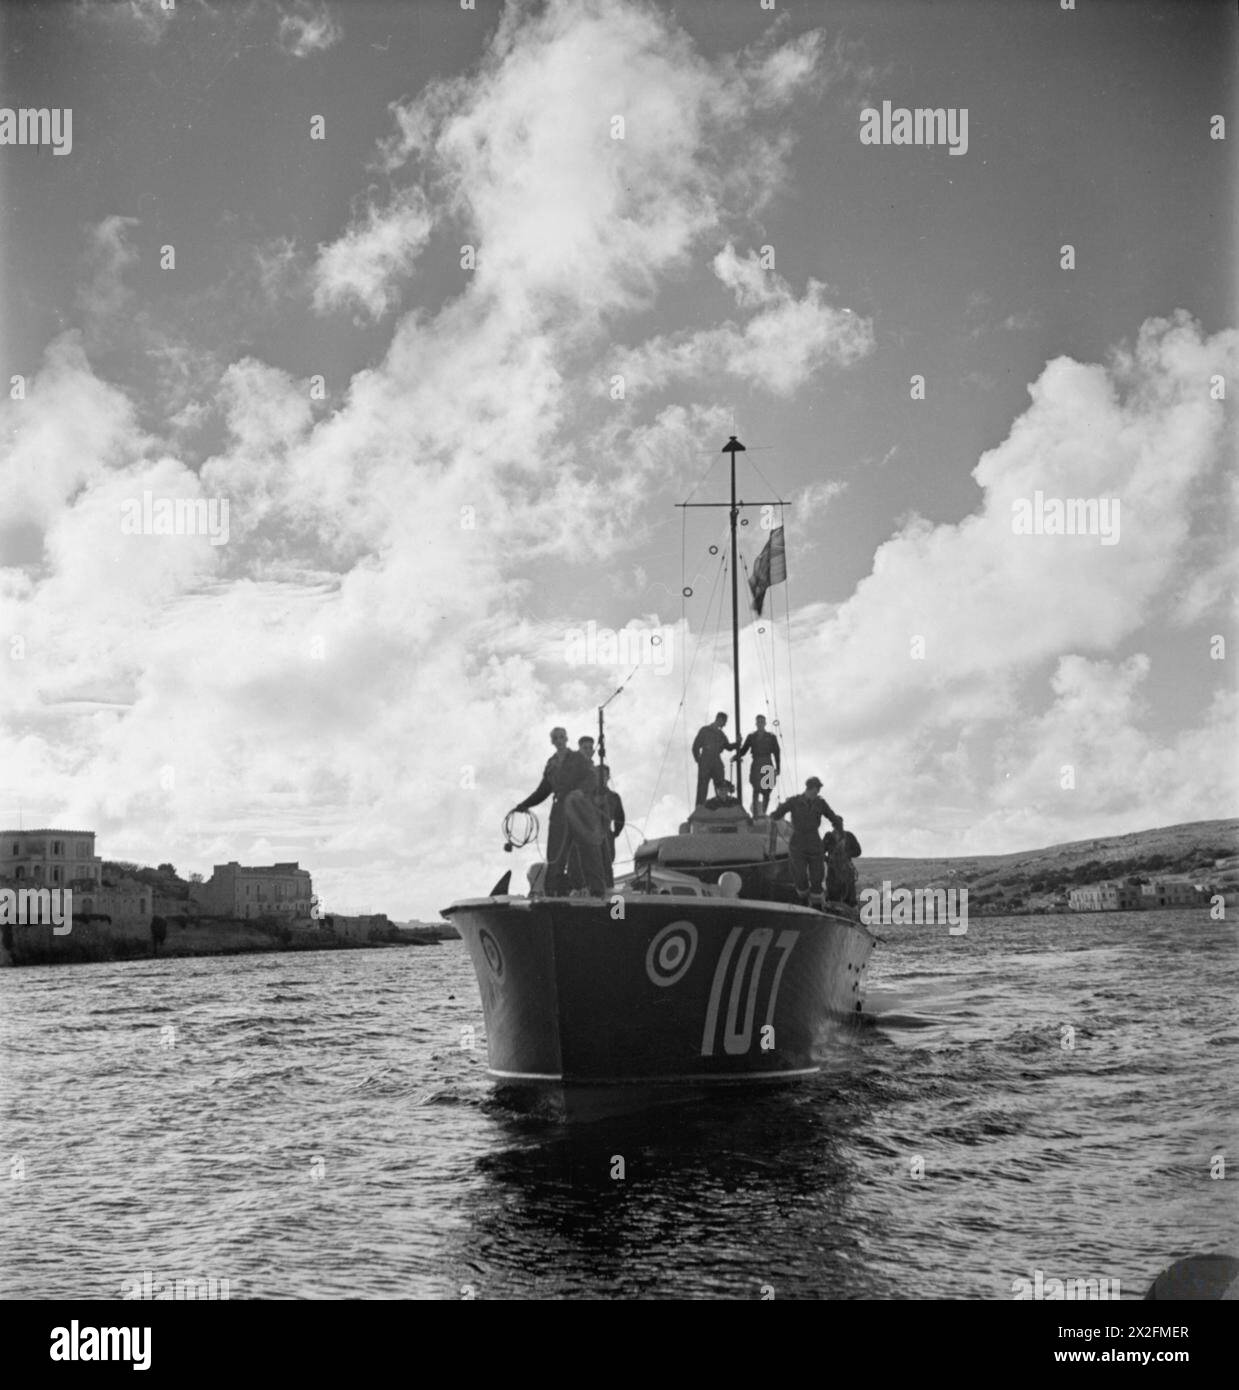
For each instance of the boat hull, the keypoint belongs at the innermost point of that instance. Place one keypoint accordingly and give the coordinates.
(685, 993)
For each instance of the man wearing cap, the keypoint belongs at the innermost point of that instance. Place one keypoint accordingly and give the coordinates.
(805, 850)
(556, 848)
(708, 749)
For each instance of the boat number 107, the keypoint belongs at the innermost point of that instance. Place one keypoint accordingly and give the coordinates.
(745, 970)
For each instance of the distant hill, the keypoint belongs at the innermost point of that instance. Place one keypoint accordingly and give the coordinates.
(1039, 879)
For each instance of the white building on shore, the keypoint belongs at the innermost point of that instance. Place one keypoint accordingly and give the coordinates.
(50, 857)
(1105, 897)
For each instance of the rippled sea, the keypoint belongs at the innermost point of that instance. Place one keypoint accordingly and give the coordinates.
(316, 1126)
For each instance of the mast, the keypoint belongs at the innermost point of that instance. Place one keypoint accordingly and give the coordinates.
(732, 447)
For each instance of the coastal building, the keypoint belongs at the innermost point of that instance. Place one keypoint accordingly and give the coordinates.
(238, 890)
(127, 903)
(1170, 892)
(50, 857)
(1105, 897)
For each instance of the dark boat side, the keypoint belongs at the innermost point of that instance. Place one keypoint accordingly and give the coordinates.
(676, 992)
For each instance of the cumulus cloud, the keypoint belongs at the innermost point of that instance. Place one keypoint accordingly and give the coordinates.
(591, 209)
(779, 348)
(364, 267)
(381, 559)
(948, 639)
(71, 428)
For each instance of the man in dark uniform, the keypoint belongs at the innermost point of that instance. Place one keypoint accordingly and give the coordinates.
(841, 848)
(808, 857)
(577, 782)
(556, 850)
(612, 809)
(766, 765)
(708, 749)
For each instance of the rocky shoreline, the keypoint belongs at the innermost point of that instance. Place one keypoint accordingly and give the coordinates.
(97, 941)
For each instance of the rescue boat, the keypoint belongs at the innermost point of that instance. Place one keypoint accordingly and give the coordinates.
(699, 969)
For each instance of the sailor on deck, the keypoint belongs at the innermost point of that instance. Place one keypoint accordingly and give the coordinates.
(766, 764)
(612, 809)
(708, 749)
(556, 850)
(579, 785)
(841, 848)
(805, 850)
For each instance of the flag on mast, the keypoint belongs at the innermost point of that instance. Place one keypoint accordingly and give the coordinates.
(771, 568)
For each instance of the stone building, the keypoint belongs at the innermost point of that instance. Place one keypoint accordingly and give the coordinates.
(127, 902)
(1106, 897)
(1170, 892)
(50, 857)
(237, 890)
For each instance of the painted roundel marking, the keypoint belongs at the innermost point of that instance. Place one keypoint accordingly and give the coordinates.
(490, 949)
(671, 953)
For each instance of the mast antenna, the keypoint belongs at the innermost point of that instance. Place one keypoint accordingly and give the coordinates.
(734, 447)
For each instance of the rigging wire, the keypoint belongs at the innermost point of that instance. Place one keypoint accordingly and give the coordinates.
(683, 634)
(688, 672)
(762, 476)
(774, 664)
(769, 689)
(791, 679)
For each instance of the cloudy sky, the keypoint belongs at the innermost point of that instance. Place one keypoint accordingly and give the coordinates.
(453, 364)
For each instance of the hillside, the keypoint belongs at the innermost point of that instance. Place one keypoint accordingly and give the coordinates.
(1038, 879)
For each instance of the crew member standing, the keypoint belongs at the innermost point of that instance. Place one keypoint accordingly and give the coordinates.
(612, 809)
(708, 749)
(577, 782)
(556, 850)
(766, 765)
(841, 848)
(805, 850)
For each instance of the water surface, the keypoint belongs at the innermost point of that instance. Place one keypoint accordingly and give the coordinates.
(311, 1126)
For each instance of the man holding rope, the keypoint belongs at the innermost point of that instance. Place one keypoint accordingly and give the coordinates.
(556, 844)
